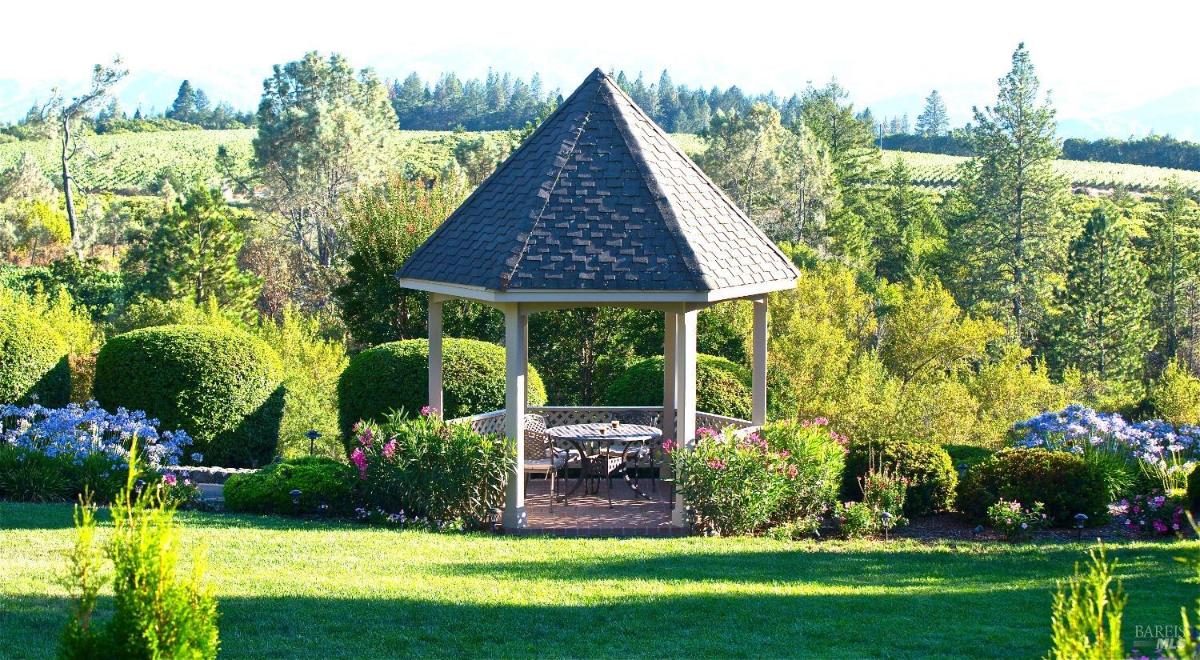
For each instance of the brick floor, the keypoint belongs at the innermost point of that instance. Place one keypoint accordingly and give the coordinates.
(590, 515)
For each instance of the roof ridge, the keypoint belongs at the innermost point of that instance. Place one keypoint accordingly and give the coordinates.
(506, 278)
(690, 262)
(466, 203)
(698, 170)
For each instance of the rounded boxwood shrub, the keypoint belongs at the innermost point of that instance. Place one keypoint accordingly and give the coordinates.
(1063, 482)
(220, 385)
(927, 467)
(321, 481)
(395, 377)
(33, 362)
(722, 386)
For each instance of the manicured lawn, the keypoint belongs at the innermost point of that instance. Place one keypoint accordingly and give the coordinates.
(301, 589)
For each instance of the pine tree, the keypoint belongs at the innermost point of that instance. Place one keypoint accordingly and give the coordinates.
(1173, 256)
(908, 231)
(193, 254)
(1105, 328)
(1008, 239)
(667, 102)
(933, 120)
(184, 106)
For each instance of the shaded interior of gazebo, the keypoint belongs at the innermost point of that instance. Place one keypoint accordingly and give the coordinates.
(598, 207)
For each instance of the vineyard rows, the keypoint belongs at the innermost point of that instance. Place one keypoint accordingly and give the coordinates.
(137, 163)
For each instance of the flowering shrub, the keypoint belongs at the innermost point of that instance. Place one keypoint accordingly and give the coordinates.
(56, 453)
(926, 467)
(1014, 521)
(1064, 482)
(1164, 452)
(856, 520)
(1154, 514)
(426, 468)
(884, 493)
(785, 473)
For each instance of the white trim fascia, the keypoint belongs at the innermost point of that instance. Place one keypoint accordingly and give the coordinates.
(579, 297)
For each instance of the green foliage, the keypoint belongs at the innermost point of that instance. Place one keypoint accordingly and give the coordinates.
(581, 352)
(325, 485)
(1172, 257)
(911, 230)
(33, 356)
(395, 377)
(157, 613)
(1009, 388)
(193, 253)
(312, 365)
(926, 467)
(968, 455)
(1175, 396)
(815, 459)
(32, 476)
(1065, 483)
(384, 225)
(1006, 233)
(1015, 522)
(1086, 621)
(220, 385)
(722, 387)
(1105, 327)
(733, 485)
(856, 520)
(426, 468)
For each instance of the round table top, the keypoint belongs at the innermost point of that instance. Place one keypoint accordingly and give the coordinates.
(592, 432)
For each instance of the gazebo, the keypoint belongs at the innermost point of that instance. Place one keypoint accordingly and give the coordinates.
(598, 207)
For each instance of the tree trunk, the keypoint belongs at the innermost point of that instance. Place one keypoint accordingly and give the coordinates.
(67, 193)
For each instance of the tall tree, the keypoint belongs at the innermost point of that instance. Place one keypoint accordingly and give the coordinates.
(933, 120)
(184, 106)
(192, 254)
(910, 230)
(322, 131)
(1009, 237)
(1172, 254)
(64, 118)
(1105, 328)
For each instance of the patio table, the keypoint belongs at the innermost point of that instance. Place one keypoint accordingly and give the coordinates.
(603, 435)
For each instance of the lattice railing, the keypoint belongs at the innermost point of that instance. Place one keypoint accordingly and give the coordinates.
(493, 422)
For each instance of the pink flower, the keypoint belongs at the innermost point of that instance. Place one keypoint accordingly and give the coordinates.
(716, 464)
(1160, 527)
(783, 453)
(360, 461)
(366, 436)
(816, 421)
(792, 472)
(429, 411)
(705, 432)
(389, 450)
(169, 479)
(668, 446)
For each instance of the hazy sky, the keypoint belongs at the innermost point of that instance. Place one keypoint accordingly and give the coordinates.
(1100, 59)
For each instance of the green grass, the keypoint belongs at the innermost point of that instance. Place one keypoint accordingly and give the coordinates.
(304, 589)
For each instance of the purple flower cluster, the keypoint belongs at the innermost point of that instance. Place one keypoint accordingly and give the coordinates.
(1163, 449)
(77, 431)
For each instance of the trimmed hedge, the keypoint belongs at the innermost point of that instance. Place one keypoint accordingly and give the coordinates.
(33, 362)
(321, 481)
(1064, 482)
(930, 472)
(722, 386)
(395, 376)
(222, 386)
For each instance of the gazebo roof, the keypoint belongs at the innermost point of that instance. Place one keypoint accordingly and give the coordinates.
(598, 205)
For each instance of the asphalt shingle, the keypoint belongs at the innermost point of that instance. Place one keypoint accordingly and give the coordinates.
(599, 198)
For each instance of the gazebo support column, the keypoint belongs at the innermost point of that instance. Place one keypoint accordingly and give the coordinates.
(685, 391)
(759, 364)
(667, 423)
(516, 339)
(435, 352)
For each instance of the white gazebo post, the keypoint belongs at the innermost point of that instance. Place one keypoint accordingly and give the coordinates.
(685, 390)
(516, 339)
(667, 423)
(758, 415)
(435, 352)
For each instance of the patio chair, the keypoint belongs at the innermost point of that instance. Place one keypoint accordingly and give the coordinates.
(542, 457)
(644, 454)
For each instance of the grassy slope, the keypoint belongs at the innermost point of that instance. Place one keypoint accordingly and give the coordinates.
(300, 589)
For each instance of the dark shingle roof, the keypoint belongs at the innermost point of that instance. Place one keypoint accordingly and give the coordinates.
(599, 198)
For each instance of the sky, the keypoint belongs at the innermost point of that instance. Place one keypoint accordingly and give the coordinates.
(1114, 68)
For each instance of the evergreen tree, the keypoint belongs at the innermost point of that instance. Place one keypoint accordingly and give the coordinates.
(910, 229)
(184, 106)
(408, 100)
(1105, 328)
(933, 120)
(1172, 254)
(1008, 237)
(667, 102)
(193, 254)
